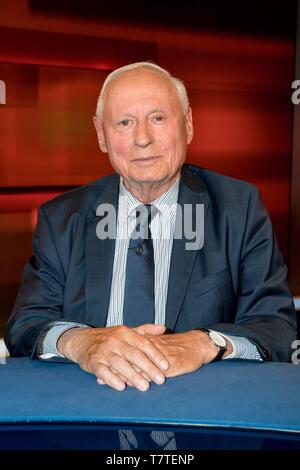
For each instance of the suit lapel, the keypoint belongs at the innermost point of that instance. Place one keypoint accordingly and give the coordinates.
(99, 259)
(191, 191)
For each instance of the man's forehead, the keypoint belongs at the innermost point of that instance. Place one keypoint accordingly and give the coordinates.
(134, 85)
(141, 76)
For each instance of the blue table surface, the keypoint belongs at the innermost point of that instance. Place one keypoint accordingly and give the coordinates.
(231, 394)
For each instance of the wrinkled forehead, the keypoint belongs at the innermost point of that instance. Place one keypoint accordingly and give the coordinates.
(137, 88)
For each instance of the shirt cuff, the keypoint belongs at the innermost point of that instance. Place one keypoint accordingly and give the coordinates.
(49, 342)
(242, 349)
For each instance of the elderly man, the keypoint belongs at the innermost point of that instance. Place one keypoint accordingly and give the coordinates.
(136, 309)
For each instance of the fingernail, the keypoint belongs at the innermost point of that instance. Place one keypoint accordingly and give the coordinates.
(159, 379)
(121, 387)
(164, 365)
(144, 386)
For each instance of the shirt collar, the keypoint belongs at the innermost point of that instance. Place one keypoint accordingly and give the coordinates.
(164, 203)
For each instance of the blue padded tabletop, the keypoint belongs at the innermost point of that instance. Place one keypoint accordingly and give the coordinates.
(231, 394)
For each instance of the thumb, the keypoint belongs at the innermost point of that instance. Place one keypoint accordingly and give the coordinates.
(150, 329)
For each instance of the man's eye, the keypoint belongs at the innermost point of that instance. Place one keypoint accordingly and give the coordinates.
(124, 123)
(159, 119)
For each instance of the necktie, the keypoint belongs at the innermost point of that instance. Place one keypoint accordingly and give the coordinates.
(147, 440)
(139, 305)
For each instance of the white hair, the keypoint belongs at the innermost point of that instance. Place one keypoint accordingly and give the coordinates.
(178, 84)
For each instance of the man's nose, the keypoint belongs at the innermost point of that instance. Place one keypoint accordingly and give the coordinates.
(143, 136)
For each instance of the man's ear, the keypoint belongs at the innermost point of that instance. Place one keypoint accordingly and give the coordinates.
(100, 134)
(189, 125)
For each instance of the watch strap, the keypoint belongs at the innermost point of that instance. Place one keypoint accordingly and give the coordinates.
(221, 350)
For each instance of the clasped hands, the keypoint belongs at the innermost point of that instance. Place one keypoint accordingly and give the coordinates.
(119, 356)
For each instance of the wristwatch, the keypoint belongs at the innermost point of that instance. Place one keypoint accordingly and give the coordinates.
(218, 340)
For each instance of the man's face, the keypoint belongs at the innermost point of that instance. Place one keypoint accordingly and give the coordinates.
(143, 128)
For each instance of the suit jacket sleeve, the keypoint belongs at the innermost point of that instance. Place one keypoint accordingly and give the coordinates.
(40, 297)
(265, 311)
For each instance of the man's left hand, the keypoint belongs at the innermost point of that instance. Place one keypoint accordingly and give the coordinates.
(186, 352)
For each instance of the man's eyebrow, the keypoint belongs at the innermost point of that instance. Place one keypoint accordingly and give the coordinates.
(128, 115)
(125, 115)
(157, 110)
(116, 119)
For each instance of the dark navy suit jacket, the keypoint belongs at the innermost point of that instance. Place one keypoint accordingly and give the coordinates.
(235, 284)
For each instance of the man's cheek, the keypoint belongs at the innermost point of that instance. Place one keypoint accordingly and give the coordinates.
(165, 144)
(121, 149)
(171, 147)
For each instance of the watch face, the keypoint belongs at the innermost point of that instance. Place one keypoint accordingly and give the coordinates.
(218, 339)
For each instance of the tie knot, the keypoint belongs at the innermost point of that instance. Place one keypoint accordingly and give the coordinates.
(144, 214)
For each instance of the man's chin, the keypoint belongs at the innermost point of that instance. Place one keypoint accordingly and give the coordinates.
(149, 179)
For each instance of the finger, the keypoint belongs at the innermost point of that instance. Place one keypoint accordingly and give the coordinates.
(141, 372)
(150, 329)
(145, 365)
(123, 367)
(129, 383)
(149, 348)
(122, 377)
(103, 373)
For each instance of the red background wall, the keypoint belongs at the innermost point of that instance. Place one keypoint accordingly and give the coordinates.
(53, 66)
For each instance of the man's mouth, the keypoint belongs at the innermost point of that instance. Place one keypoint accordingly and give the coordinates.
(148, 159)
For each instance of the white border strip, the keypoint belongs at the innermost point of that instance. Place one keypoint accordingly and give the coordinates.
(297, 302)
(3, 351)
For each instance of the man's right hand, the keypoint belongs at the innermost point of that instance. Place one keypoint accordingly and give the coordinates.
(117, 355)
